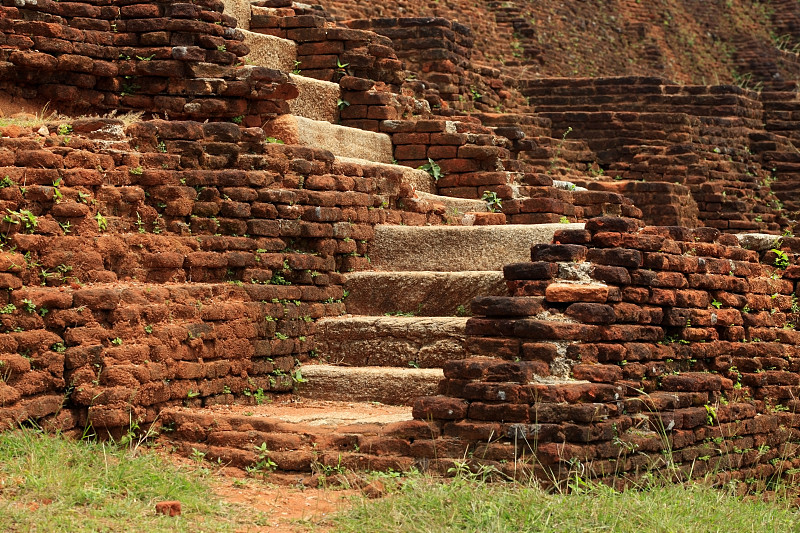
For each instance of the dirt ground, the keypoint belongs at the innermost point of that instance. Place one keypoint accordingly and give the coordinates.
(288, 506)
(291, 502)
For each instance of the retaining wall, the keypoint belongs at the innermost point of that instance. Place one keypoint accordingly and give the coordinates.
(623, 349)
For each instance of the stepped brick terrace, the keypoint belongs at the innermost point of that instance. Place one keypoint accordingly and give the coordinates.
(406, 236)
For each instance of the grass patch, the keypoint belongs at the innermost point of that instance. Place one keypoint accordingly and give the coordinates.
(425, 505)
(52, 117)
(52, 483)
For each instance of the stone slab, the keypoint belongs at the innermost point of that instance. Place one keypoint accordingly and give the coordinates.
(391, 386)
(391, 341)
(457, 248)
(339, 140)
(421, 293)
(318, 100)
(270, 51)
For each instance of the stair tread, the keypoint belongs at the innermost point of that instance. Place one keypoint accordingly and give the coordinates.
(311, 371)
(306, 411)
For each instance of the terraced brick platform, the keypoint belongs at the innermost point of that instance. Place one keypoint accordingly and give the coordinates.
(325, 240)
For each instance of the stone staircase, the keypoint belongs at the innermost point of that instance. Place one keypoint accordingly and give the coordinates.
(354, 410)
(406, 318)
(406, 310)
(315, 115)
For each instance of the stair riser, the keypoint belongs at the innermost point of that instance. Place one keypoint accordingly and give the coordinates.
(424, 294)
(339, 140)
(391, 342)
(450, 249)
(269, 51)
(240, 10)
(317, 99)
(351, 385)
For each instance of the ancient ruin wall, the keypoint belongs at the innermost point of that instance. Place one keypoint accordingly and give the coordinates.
(710, 42)
(620, 343)
(168, 263)
(175, 60)
(709, 139)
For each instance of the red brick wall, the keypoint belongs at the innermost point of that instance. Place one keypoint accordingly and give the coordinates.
(618, 343)
(174, 60)
(169, 263)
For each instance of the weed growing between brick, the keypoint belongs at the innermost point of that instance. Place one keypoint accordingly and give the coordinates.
(467, 504)
(58, 484)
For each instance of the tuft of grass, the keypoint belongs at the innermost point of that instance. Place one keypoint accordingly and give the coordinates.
(52, 483)
(30, 120)
(424, 505)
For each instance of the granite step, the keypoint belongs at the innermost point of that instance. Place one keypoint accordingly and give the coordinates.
(387, 385)
(318, 100)
(457, 248)
(339, 140)
(391, 341)
(270, 51)
(421, 293)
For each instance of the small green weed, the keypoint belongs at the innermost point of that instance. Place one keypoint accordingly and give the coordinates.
(493, 202)
(781, 258)
(432, 168)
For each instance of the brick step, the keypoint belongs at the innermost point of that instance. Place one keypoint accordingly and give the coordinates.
(391, 341)
(421, 293)
(457, 248)
(340, 140)
(302, 436)
(392, 386)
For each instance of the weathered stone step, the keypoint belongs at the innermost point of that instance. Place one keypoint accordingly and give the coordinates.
(456, 207)
(457, 248)
(419, 179)
(421, 293)
(340, 140)
(392, 386)
(391, 341)
(323, 416)
(318, 100)
(241, 10)
(270, 51)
